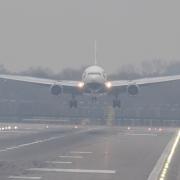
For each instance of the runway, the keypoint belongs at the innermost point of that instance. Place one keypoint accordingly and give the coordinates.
(41, 151)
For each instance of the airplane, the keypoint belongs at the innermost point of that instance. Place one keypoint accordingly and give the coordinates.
(94, 82)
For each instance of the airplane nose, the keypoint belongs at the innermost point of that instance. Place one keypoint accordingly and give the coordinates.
(95, 78)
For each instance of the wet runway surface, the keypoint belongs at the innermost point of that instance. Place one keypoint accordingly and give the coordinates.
(34, 151)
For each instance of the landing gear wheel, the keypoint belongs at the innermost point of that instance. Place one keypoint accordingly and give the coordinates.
(116, 103)
(94, 99)
(73, 103)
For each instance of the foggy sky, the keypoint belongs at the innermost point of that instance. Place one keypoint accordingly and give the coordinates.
(59, 34)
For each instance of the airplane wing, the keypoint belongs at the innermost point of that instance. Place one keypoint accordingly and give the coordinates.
(156, 80)
(73, 86)
(121, 86)
(68, 86)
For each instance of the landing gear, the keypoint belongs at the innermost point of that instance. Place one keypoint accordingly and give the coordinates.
(73, 102)
(116, 103)
(94, 99)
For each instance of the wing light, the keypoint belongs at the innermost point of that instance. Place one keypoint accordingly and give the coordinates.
(108, 84)
(81, 85)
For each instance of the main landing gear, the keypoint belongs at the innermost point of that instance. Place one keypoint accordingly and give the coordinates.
(116, 103)
(73, 103)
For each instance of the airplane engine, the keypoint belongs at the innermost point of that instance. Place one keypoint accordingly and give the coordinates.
(56, 90)
(133, 89)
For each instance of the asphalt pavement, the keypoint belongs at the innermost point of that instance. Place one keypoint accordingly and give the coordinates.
(41, 151)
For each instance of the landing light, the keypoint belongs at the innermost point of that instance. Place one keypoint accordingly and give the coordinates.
(108, 85)
(81, 84)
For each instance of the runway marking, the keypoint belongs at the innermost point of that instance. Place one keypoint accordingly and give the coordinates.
(161, 163)
(45, 140)
(59, 162)
(91, 171)
(18, 131)
(80, 152)
(20, 146)
(24, 177)
(74, 157)
(131, 134)
(169, 158)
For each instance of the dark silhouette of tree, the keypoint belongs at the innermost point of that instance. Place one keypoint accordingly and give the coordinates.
(173, 68)
(3, 69)
(156, 67)
(38, 72)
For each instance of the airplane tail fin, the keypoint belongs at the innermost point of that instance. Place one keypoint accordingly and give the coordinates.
(95, 53)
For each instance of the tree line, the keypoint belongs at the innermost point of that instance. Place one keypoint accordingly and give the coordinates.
(151, 68)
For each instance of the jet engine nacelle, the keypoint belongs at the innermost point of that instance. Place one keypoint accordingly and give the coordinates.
(56, 90)
(133, 89)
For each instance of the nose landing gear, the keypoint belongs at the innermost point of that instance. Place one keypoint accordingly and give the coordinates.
(94, 99)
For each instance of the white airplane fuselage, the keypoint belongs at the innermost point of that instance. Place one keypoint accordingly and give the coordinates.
(94, 78)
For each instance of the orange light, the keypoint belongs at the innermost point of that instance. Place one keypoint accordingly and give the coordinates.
(108, 85)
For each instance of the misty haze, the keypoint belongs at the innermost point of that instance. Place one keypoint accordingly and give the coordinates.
(89, 89)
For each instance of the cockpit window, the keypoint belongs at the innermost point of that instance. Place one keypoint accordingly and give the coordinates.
(94, 73)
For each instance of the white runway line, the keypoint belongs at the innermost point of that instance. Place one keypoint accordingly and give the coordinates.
(24, 177)
(59, 162)
(154, 175)
(130, 134)
(19, 146)
(91, 171)
(169, 158)
(80, 152)
(18, 131)
(45, 140)
(73, 157)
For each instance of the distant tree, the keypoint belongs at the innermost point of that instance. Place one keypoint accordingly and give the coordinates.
(126, 72)
(71, 74)
(154, 67)
(3, 69)
(173, 68)
(38, 72)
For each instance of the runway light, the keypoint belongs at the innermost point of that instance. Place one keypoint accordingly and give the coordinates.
(15, 127)
(129, 128)
(81, 84)
(108, 85)
(76, 127)
(169, 158)
(160, 129)
(9, 127)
